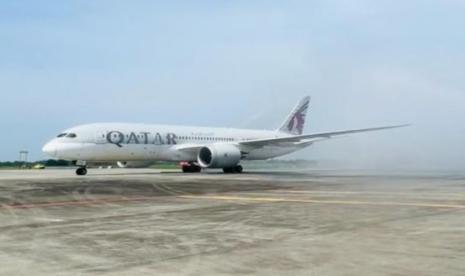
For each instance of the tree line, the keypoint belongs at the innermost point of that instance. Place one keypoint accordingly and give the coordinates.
(47, 163)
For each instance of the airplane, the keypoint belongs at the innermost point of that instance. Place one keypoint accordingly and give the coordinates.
(196, 148)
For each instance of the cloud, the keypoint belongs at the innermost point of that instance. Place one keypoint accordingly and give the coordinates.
(364, 64)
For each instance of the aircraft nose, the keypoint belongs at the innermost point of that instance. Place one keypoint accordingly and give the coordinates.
(50, 149)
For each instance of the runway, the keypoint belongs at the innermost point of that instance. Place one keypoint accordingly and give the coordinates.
(314, 222)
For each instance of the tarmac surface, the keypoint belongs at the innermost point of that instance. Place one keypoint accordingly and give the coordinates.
(143, 222)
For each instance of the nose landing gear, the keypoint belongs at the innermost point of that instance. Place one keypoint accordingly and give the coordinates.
(81, 171)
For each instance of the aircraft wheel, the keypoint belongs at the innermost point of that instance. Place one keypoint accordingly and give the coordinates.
(81, 171)
(237, 169)
(191, 169)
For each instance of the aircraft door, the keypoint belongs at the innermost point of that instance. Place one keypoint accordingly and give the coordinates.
(151, 150)
(101, 137)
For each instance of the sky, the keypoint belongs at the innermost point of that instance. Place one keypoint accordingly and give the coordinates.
(241, 64)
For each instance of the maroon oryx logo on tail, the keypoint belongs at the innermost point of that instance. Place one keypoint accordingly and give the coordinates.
(296, 120)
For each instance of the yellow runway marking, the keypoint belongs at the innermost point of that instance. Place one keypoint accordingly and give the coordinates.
(418, 195)
(339, 202)
(369, 193)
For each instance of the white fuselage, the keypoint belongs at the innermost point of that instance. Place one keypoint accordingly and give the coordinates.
(136, 142)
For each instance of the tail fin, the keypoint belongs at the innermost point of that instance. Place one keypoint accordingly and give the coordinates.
(295, 122)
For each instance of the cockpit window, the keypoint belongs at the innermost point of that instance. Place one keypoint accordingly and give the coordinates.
(61, 135)
(71, 135)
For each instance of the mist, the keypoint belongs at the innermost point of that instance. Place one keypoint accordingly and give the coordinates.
(242, 64)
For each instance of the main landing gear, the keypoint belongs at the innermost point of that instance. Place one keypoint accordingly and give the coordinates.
(236, 169)
(190, 167)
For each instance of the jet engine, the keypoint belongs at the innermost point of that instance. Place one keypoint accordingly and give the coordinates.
(219, 156)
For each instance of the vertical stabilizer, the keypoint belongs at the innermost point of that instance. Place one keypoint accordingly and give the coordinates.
(295, 122)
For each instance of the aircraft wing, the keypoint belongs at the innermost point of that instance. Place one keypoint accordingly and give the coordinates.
(189, 147)
(310, 138)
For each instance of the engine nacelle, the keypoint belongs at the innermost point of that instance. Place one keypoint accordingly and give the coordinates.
(219, 156)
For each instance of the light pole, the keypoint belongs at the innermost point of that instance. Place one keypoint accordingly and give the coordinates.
(23, 157)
